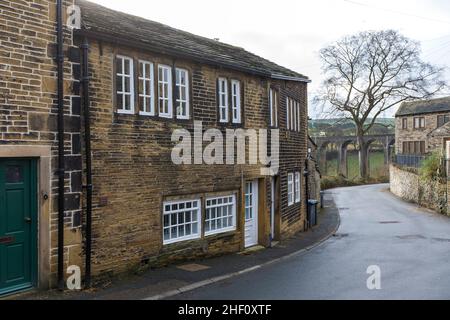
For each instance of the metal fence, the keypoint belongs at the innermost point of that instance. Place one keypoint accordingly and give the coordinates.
(409, 160)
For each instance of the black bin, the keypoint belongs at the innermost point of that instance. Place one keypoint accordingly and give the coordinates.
(312, 212)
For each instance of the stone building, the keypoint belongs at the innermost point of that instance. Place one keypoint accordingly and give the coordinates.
(422, 126)
(145, 82)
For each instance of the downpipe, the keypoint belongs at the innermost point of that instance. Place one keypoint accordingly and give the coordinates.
(61, 160)
(87, 139)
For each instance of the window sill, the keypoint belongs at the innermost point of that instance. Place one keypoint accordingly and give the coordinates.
(220, 232)
(173, 241)
(146, 114)
(128, 112)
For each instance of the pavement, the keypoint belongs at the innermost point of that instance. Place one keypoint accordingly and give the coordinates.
(169, 282)
(381, 240)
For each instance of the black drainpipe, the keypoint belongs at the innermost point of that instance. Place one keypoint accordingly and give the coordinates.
(306, 174)
(87, 139)
(61, 172)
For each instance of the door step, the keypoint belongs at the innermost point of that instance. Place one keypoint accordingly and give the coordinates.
(252, 250)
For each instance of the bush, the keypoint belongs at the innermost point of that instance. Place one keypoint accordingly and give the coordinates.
(431, 169)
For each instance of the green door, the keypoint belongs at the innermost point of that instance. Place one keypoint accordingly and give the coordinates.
(18, 224)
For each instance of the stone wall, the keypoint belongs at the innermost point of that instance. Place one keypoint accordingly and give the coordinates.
(408, 185)
(28, 113)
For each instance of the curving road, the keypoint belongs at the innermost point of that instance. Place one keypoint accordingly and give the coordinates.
(410, 245)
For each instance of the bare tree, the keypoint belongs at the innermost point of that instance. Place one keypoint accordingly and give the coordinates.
(371, 72)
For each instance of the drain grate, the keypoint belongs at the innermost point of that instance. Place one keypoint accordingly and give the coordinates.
(441, 239)
(193, 267)
(412, 237)
(340, 235)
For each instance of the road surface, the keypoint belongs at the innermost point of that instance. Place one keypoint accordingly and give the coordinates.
(411, 247)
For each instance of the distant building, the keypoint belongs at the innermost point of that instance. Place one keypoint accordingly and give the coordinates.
(422, 126)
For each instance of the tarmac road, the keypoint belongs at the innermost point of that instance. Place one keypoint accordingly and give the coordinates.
(410, 245)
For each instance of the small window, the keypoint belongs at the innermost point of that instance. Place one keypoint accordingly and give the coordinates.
(293, 115)
(182, 93)
(411, 147)
(419, 123)
(223, 99)
(290, 186)
(124, 85)
(442, 119)
(236, 100)
(165, 91)
(405, 123)
(220, 215)
(146, 89)
(405, 147)
(181, 221)
(273, 103)
(297, 187)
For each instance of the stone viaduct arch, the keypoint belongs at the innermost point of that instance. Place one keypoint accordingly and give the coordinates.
(342, 142)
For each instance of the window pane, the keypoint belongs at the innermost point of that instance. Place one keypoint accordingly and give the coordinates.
(119, 65)
(127, 102)
(14, 174)
(127, 84)
(127, 66)
(119, 84)
(119, 101)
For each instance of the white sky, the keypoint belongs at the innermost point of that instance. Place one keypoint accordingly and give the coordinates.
(291, 32)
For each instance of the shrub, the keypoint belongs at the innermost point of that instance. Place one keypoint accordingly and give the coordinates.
(431, 169)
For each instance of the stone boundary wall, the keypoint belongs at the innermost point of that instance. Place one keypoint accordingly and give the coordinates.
(408, 186)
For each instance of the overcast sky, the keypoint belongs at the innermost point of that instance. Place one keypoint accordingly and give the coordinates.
(291, 33)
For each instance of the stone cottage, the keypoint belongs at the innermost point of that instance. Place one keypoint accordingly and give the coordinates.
(421, 126)
(89, 121)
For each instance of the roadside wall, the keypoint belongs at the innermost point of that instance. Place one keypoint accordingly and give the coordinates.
(408, 186)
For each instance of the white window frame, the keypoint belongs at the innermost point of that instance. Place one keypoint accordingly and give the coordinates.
(288, 121)
(233, 214)
(122, 75)
(236, 95)
(273, 106)
(145, 78)
(167, 82)
(293, 122)
(220, 95)
(169, 213)
(290, 189)
(179, 89)
(297, 187)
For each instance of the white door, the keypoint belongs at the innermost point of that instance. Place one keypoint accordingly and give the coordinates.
(272, 209)
(251, 213)
(447, 147)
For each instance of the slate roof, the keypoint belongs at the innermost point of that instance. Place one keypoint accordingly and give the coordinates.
(424, 106)
(119, 27)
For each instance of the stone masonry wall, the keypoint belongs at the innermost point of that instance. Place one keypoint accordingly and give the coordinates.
(28, 106)
(133, 173)
(408, 186)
